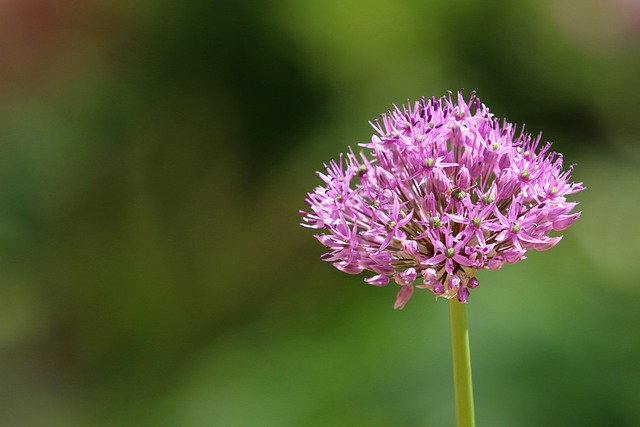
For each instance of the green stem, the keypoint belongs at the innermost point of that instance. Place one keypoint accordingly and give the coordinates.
(461, 363)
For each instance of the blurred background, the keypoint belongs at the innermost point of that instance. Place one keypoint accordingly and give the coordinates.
(154, 155)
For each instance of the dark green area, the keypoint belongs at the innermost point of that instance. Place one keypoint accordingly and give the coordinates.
(154, 155)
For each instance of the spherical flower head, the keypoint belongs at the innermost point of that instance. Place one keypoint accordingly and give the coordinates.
(442, 190)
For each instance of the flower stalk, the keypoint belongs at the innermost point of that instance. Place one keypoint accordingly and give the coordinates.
(461, 364)
(442, 190)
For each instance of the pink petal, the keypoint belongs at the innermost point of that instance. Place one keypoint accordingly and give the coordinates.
(403, 296)
(463, 295)
(379, 280)
(350, 268)
(562, 222)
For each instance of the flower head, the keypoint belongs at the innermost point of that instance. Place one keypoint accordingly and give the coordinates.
(446, 189)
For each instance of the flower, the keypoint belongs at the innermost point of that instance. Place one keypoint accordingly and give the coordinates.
(445, 190)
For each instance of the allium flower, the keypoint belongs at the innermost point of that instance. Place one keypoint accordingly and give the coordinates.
(447, 189)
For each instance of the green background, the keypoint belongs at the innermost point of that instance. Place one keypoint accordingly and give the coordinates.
(154, 155)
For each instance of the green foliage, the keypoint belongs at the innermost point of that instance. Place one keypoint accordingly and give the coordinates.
(154, 157)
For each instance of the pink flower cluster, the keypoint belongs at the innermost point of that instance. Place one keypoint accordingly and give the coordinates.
(448, 190)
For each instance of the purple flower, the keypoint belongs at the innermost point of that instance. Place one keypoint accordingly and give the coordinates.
(463, 295)
(445, 189)
(449, 253)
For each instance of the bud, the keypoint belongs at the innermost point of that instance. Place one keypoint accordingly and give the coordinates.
(473, 283)
(383, 257)
(477, 165)
(386, 178)
(430, 275)
(438, 288)
(440, 180)
(514, 255)
(454, 282)
(410, 247)
(506, 185)
(495, 263)
(463, 179)
(463, 295)
(407, 277)
(505, 161)
(379, 280)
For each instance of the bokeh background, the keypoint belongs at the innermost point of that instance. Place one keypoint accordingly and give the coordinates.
(154, 155)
